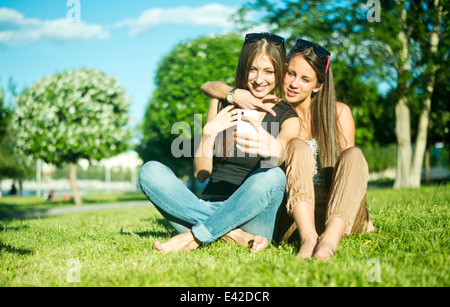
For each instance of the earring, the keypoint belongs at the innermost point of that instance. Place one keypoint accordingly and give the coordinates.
(313, 94)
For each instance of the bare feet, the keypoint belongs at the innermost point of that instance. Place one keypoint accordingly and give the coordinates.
(325, 250)
(307, 248)
(304, 218)
(329, 241)
(239, 236)
(182, 242)
(259, 243)
(370, 227)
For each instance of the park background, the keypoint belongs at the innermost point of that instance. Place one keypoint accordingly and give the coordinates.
(90, 90)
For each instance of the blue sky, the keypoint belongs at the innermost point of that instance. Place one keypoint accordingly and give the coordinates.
(126, 39)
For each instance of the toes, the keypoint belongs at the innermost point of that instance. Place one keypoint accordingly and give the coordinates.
(157, 245)
(323, 255)
(259, 243)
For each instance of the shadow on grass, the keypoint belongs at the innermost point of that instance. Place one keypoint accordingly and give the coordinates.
(14, 250)
(11, 249)
(23, 203)
(168, 231)
(16, 228)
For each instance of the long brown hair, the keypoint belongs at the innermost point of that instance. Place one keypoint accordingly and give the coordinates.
(324, 126)
(249, 51)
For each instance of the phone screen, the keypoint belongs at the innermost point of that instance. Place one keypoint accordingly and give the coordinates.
(244, 126)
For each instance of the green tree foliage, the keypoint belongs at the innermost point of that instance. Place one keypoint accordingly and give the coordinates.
(362, 96)
(402, 43)
(325, 23)
(4, 114)
(6, 154)
(178, 97)
(7, 161)
(72, 115)
(11, 165)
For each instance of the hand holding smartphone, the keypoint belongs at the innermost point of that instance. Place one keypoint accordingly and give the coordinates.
(245, 126)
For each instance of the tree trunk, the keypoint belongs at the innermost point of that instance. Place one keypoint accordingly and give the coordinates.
(404, 152)
(421, 142)
(421, 139)
(73, 184)
(402, 112)
(427, 165)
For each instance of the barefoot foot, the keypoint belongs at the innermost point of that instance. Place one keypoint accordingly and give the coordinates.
(325, 250)
(307, 249)
(371, 227)
(258, 244)
(238, 236)
(157, 246)
(182, 242)
(329, 241)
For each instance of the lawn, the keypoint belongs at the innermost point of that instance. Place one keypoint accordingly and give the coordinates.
(13, 203)
(113, 248)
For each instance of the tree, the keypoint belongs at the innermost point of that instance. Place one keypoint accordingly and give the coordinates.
(6, 169)
(315, 21)
(72, 115)
(4, 115)
(11, 165)
(178, 97)
(432, 83)
(390, 39)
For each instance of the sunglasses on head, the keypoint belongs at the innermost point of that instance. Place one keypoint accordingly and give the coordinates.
(318, 50)
(272, 38)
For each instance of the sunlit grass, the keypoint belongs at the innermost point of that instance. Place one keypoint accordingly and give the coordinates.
(113, 248)
(8, 203)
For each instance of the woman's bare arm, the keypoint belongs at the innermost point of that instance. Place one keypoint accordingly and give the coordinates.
(243, 98)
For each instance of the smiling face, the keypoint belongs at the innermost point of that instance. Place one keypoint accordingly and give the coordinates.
(261, 76)
(300, 80)
(261, 68)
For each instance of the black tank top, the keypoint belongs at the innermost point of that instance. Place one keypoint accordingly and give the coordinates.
(229, 173)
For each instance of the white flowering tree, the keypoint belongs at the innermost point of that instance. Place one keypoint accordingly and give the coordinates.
(72, 115)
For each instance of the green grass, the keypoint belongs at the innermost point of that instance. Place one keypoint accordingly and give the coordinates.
(10, 203)
(113, 248)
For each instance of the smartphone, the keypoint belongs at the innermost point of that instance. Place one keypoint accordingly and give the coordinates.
(245, 126)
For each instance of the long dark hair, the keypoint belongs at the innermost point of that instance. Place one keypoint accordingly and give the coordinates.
(324, 126)
(249, 51)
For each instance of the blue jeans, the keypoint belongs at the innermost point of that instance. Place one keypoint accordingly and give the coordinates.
(253, 207)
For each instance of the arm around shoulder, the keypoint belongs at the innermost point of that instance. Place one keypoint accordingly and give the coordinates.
(346, 126)
(216, 89)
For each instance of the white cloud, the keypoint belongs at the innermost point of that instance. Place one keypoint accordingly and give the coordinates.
(212, 15)
(15, 29)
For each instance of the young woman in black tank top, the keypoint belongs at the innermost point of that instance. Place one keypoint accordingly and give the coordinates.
(241, 208)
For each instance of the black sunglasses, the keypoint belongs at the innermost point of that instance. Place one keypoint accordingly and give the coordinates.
(272, 38)
(318, 50)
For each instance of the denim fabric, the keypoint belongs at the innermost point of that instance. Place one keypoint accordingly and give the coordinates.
(252, 208)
